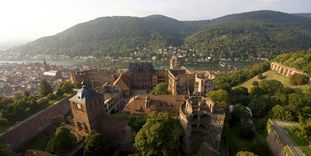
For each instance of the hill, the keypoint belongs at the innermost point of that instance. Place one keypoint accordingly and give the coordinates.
(272, 75)
(307, 15)
(300, 60)
(115, 35)
(259, 33)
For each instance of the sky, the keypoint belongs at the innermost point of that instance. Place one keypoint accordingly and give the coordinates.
(30, 19)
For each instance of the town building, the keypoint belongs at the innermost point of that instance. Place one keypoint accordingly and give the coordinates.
(180, 81)
(144, 104)
(96, 77)
(52, 75)
(122, 83)
(202, 123)
(176, 62)
(140, 76)
(113, 98)
(203, 83)
(86, 106)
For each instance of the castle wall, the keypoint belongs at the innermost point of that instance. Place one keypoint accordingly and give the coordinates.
(26, 130)
(284, 70)
(118, 133)
(274, 143)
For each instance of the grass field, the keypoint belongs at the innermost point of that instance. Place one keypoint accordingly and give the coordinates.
(272, 75)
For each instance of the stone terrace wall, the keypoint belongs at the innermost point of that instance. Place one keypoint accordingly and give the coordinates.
(32, 126)
(284, 70)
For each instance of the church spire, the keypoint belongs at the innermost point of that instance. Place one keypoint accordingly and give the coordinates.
(46, 67)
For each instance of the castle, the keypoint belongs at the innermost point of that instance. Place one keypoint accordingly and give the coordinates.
(202, 122)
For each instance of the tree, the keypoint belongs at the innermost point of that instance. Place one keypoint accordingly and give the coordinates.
(51, 96)
(246, 133)
(260, 106)
(241, 113)
(59, 92)
(95, 144)
(257, 91)
(136, 122)
(62, 141)
(282, 113)
(245, 153)
(255, 83)
(160, 89)
(305, 129)
(66, 87)
(5, 149)
(240, 95)
(45, 88)
(220, 97)
(77, 84)
(296, 101)
(261, 77)
(4, 122)
(160, 135)
(299, 79)
(271, 86)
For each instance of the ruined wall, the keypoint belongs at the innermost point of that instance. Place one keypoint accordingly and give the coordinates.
(118, 133)
(284, 70)
(32, 126)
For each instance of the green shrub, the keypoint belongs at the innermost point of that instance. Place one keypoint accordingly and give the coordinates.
(4, 122)
(255, 83)
(261, 77)
(245, 153)
(299, 79)
(246, 133)
(51, 96)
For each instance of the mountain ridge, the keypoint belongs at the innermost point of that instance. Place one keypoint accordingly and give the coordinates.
(116, 35)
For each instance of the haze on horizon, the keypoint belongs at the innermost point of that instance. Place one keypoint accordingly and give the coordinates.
(31, 19)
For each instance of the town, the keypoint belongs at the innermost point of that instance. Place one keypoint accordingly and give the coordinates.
(155, 78)
(114, 103)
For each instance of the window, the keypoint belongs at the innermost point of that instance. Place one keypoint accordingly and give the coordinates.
(85, 128)
(79, 125)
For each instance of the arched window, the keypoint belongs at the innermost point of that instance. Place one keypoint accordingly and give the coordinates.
(79, 125)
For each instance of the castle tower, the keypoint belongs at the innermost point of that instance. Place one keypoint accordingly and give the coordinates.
(176, 62)
(197, 117)
(86, 107)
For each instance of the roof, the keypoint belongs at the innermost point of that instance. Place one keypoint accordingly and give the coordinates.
(51, 73)
(122, 82)
(140, 67)
(85, 95)
(176, 72)
(163, 103)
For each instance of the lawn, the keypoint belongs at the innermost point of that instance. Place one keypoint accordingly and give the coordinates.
(272, 75)
(301, 142)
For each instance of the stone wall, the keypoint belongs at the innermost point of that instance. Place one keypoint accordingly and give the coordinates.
(26, 130)
(118, 133)
(284, 70)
